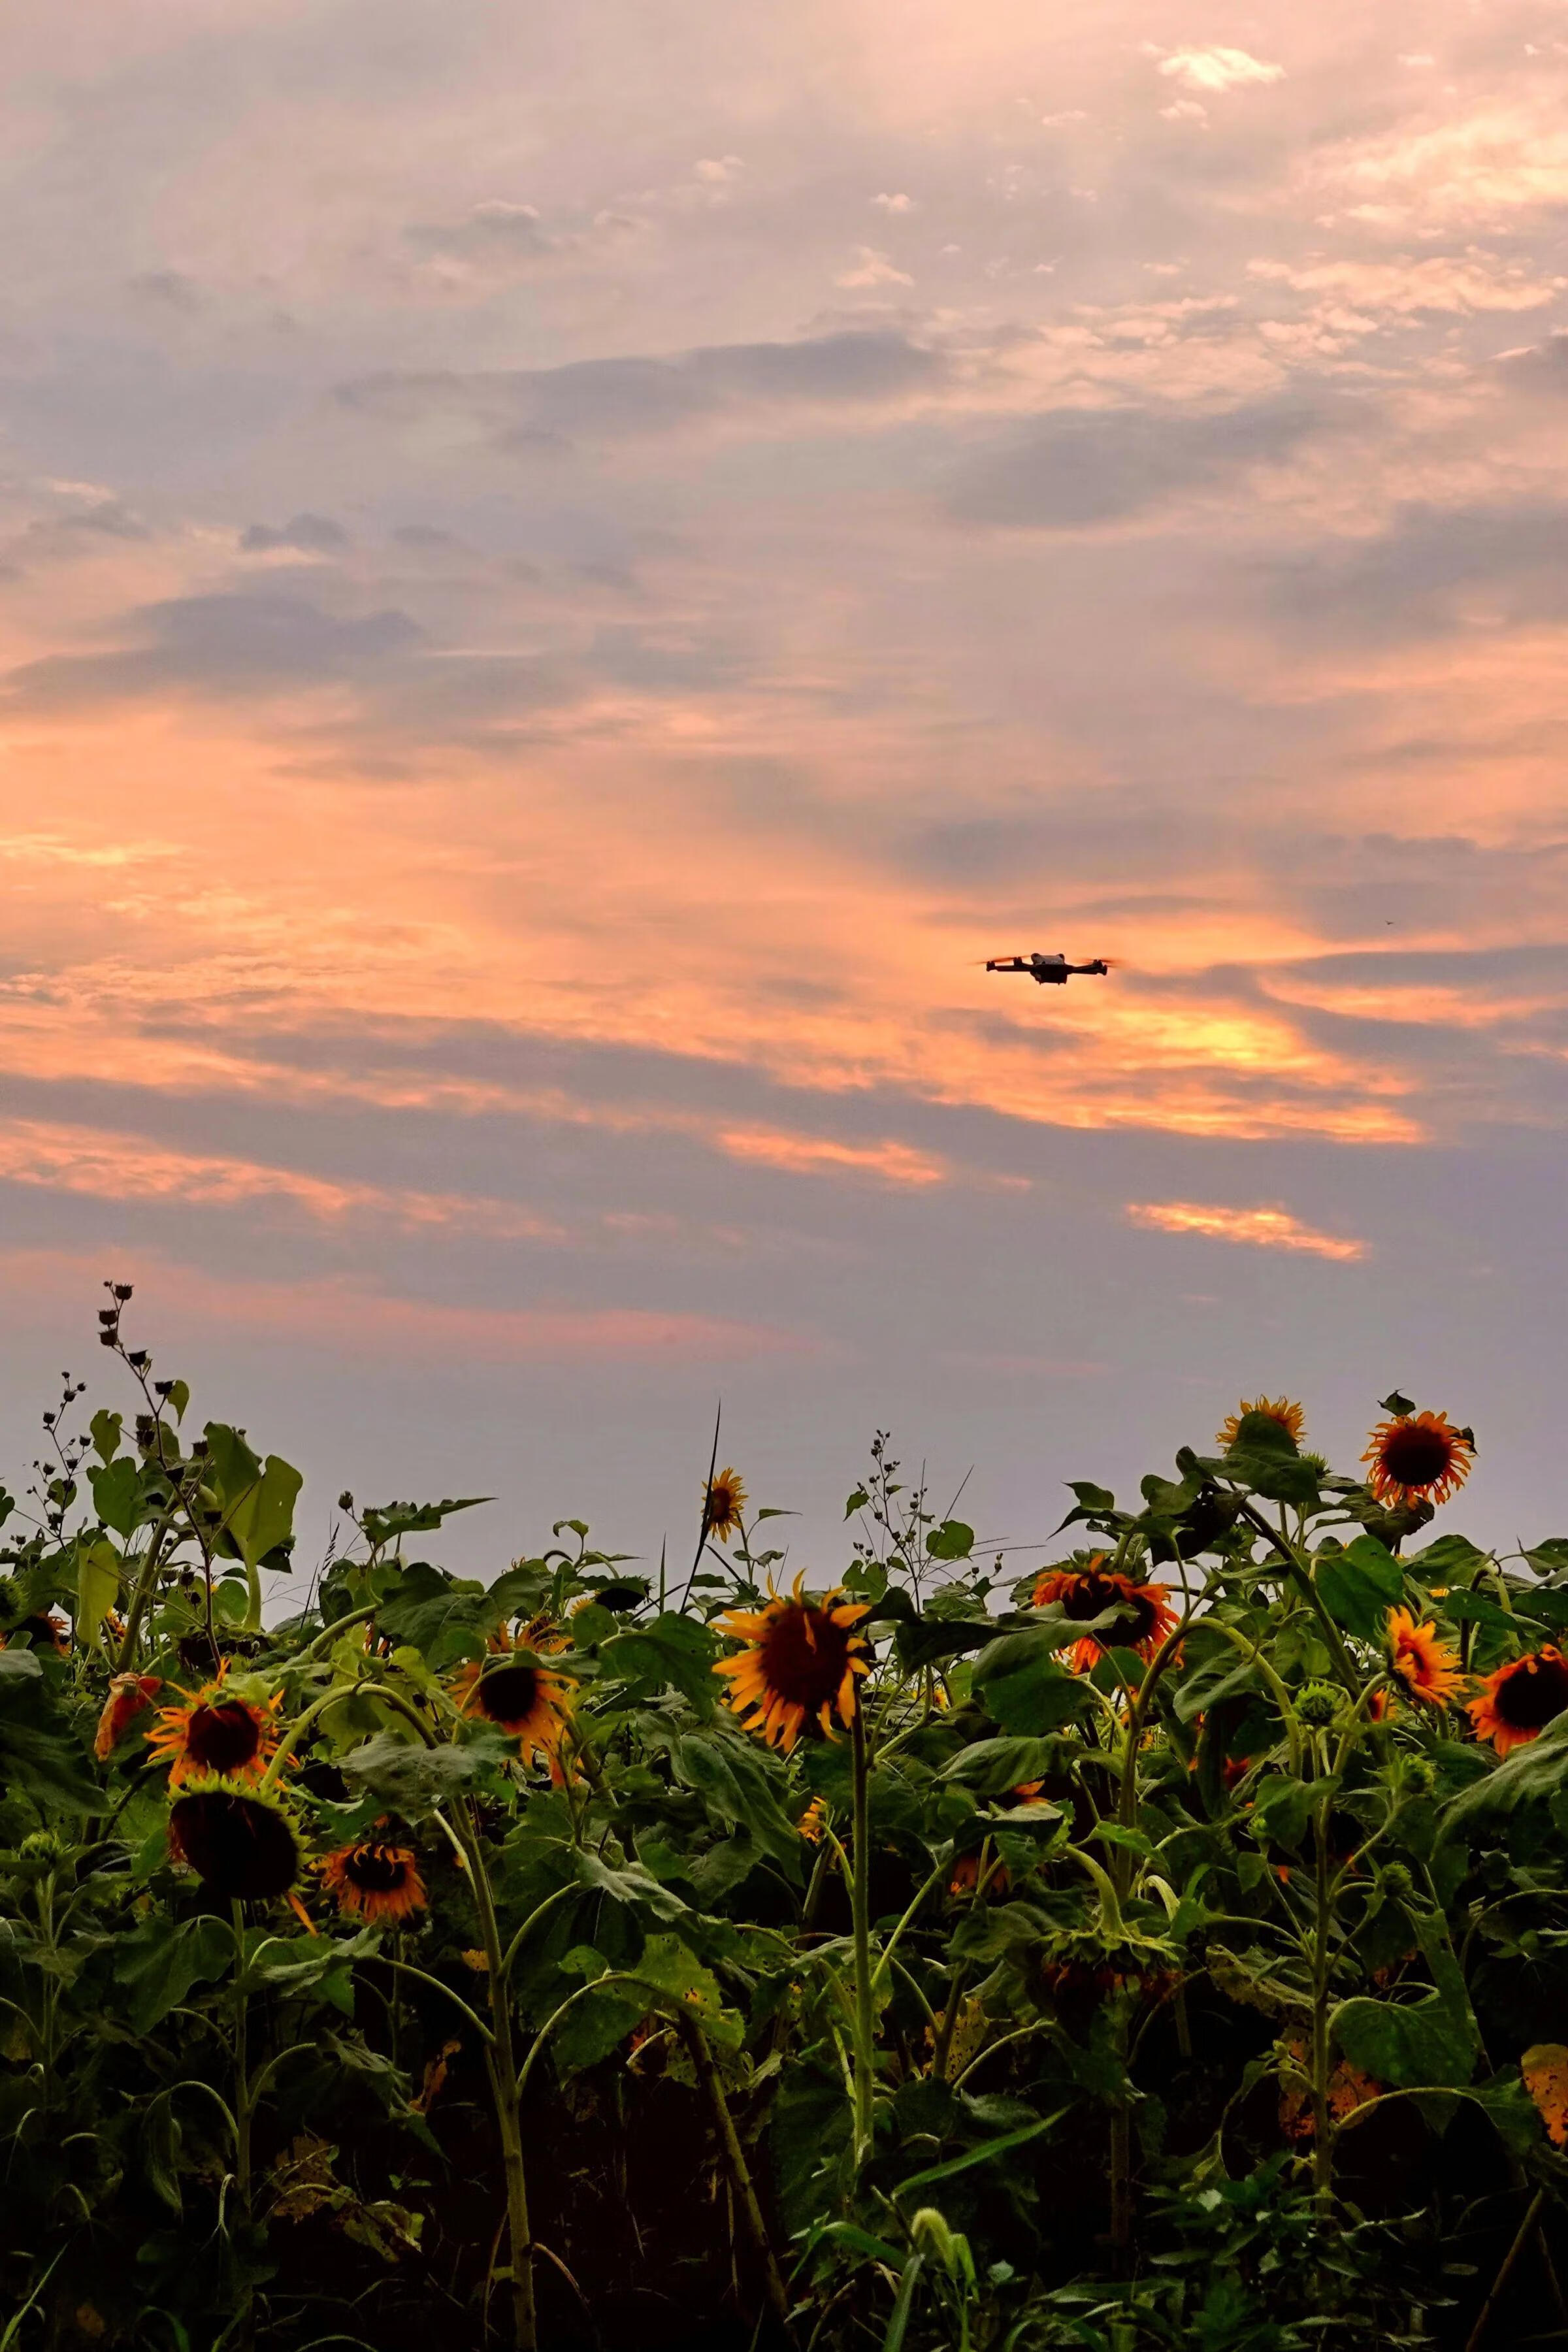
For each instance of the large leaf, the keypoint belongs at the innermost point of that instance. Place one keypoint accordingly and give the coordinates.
(1358, 1586)
(1405, 2045)
(440, 1616)
(1528, 1776)
(40, 1754)
(670, 1650)
(992, 1767)
(413, 1779)
(1020, 1684)
(737, 1787)
(162, 1958)
(117, 1493)
(97, 1587)
(385, 1522)
(257, 1498)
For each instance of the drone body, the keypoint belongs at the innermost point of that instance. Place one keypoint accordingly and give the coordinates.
(1052, 970)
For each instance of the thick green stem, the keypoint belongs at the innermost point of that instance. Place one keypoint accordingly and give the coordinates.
(860, 1917)
(242, 2103)
(1323, 2134)
(500, 2062)
(140, 1598)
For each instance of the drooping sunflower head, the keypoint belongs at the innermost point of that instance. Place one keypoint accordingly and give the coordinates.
(373, 1882)
(129, 1696)
(1144, 1612)
(1521, 1699)
(1418, 1457)
(525, 1700)
(215, 1731)
(723, 1501)
(1428, 1667)
(240, 1842)
(1289, 1416)
(799, 1665)
(44, 1631)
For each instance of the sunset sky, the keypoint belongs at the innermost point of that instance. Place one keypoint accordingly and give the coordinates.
(567, 573)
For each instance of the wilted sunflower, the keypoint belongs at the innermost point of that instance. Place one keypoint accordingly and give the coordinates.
(723, 1500)
(374, 1882)
(45, 1631)
(1418, 1458)
(1289, 1416)
(799, 1664)
(129, 1696)
(1521, 1699)
(214, 1733)
(813, 1821)
(527, 1701)
(1427, 1665)
(1144, 1614)
(240, 1843)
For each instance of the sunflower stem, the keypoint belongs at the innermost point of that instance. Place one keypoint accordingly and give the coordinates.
(242, 2105)
(501, 2064)
(860, 1917)
(735, 2158)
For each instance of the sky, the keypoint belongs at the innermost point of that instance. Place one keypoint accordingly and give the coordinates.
(567, 574)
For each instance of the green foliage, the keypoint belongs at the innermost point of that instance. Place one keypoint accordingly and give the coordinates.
(1189, 1993)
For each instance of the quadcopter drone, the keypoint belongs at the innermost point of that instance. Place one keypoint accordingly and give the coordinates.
(1046, 968)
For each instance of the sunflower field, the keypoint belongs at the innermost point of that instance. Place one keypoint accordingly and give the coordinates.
(1165, 1946)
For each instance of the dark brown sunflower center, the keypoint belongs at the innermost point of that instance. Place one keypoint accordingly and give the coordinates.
(1414, 1456)
(1090, 1596)
(222, 1739)
(804, 1656)
(1535, 1692)
(238, 1845)
(507, 1694)
(721, 1504)
(377, 1870)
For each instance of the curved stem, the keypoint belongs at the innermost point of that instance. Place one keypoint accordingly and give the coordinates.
(860, 1916)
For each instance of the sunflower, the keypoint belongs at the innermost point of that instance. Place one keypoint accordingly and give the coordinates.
(375, 1882)
(1418, 1458)
(1427, 1667)
(1144, 1615)
(128, 1695)
(46, 1631)
(723, 1500)
(799, 1664)
(240, 1843)
(813, 1821)
(525, 1700)
(1518, 1702)
(214, 1733)
(1289, 1416)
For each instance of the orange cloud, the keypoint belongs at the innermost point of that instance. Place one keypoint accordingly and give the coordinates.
(814, 1155)
(1256, 1228)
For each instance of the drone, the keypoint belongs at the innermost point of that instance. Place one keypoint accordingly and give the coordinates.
(1044, 968)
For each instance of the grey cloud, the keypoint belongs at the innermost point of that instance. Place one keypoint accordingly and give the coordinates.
(1540, 367)
(614, 397)
(170, 290)
(220, 645)
(1082, 467)
(310, 534)
(510, 236)
(1437, 569)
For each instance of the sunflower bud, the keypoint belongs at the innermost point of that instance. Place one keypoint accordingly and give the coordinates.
(1396, 1882)
(1417, 1776)
(41, 1845)
(1318, 1705)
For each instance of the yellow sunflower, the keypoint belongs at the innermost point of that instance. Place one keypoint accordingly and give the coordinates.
(527, 1701)
(1280, 1408)
(723, 1500)
(1418, 1458)
(373, 1882)
(1425, 1665)
(1144, 1614)
(799, 1664)
(214, 1733)
(1521, 1699)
